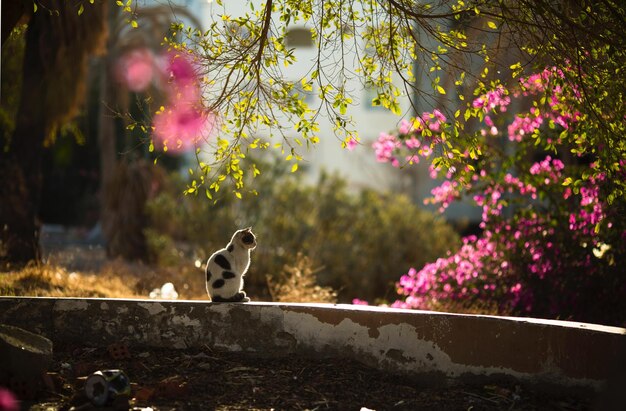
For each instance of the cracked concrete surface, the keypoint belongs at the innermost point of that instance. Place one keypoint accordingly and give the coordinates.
(428, 345)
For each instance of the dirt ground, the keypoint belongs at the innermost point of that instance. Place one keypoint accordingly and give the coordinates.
(207, 380)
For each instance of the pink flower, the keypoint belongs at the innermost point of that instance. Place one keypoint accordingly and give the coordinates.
(444, 194)
(434, 120)
(385, 147)
(412, 143)
(433, 171)
(178, 68)
(492, 100)
(180, 128)
(187, 94)
(8, 402)
(183, 82)
(522, 126)
(426, 151)
(404, 127)
(183, 123)
(549, 168)
(136, 69)
(439, 115)
(412, 159)
(351, 144)
(357, 301)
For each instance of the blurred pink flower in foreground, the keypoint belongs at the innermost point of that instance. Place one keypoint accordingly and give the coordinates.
(183, 84)
(351, 144)
(179, 69)
(136, 69)
(8, 402)
(179, 128)
(182, 122)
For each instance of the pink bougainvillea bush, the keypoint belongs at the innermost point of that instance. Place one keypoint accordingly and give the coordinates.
(553, 240)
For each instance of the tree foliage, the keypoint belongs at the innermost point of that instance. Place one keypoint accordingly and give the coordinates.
(454, 47)
(434, 54)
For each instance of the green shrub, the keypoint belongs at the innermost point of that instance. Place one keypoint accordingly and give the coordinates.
(360, 241)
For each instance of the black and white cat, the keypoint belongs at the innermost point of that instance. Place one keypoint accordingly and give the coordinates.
(226, 267)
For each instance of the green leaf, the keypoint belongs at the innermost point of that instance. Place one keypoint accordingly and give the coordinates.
(294, 168)
(492, 25)
(441, 90)
(81, 9)
(395, 108)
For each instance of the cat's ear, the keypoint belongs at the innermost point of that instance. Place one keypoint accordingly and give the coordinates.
(248, 228)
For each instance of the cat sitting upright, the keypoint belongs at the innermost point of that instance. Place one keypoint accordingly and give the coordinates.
(226, 267)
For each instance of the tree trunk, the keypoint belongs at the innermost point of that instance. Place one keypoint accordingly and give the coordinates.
(58, 42)
(21, 164)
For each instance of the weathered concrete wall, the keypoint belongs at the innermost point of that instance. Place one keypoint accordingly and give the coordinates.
(429, 345)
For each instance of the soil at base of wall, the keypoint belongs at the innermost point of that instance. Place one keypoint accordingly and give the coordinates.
(168, 379)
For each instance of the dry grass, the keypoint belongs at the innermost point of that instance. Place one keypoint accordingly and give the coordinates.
(54, 281)
(298, 283)
(121, 279)
(115, 279)
(98, 277)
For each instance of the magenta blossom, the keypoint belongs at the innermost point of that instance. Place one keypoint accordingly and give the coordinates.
(385, 147)
(8, 402)
(180, 128)
(135, 69)
(444, 194)
(549, 234)
(178, 68)
(351, 144)
(493, 100)
(184, 122)
(182, 79)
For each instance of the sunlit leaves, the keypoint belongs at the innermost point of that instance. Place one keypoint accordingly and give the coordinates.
(247, 66)
(243, 58)
(127, 8)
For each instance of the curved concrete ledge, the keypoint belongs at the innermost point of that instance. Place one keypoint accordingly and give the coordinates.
(432, 346)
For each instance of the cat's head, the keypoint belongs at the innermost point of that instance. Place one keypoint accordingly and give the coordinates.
(245, 238)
